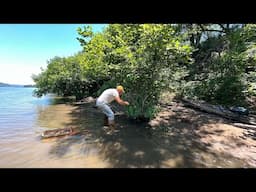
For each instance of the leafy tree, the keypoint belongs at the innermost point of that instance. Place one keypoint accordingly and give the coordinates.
(213, 62)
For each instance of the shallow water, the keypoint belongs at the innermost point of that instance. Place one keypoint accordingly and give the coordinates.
(23, 118)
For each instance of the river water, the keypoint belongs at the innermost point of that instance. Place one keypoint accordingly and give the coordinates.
(23, 118)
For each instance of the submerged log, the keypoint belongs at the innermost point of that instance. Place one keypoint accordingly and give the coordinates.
(219, 110)
(59, 132)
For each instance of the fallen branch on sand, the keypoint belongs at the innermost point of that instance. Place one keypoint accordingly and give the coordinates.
(246, 126)
(219, 110)
(85, 101)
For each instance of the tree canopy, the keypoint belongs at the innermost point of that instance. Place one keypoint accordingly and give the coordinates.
(213, 62)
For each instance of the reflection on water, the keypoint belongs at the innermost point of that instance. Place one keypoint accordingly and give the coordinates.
(54, 116)
(182, 144)
(60, 100)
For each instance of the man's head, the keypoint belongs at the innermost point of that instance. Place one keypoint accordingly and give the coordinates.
(120, 89)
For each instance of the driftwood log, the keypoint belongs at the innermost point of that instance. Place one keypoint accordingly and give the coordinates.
(219, 110)
(246, 126)
(59, 132)
(85, 101)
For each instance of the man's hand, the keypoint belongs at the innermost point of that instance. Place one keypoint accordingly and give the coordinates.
(126, 103)
(120, 101)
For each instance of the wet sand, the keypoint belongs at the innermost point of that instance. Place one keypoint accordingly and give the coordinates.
(178, 137)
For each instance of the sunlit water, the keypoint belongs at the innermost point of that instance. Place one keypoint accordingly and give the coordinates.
(23, 118)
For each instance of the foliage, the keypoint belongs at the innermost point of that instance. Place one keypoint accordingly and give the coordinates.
(213, 62)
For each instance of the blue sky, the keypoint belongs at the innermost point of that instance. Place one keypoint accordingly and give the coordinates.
(25, 48)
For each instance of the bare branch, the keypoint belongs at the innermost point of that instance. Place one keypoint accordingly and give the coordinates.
(212, 30)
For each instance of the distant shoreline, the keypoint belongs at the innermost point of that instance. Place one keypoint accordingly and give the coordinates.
(14, 85)
(20, 86)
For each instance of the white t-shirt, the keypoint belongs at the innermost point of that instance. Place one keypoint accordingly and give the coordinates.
(108, 96)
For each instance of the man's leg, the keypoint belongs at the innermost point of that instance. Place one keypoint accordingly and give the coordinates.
(105, 120)
(110, 115)
(112, 124)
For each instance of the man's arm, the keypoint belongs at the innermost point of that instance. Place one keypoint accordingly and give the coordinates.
(120, 101)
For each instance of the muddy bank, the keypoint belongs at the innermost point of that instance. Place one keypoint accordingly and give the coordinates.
(218, 143)
(177, 137)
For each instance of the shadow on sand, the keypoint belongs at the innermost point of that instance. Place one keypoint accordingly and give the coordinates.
(173, 140)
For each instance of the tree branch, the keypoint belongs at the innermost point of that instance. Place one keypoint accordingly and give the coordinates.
(215, 30)
(222, 26)
(212, 30)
